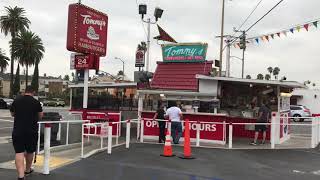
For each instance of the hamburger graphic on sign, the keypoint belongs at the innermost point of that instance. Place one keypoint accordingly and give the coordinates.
(87, 30)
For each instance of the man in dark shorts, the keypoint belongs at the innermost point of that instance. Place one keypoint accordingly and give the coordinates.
(26, 111)
(162, 124)
(264, 117)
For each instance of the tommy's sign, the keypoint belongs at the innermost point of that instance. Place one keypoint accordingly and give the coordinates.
(192, 52)
(87, 30)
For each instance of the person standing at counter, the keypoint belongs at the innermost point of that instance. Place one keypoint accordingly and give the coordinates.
(162, 124)
(264, 117)
(175, 115)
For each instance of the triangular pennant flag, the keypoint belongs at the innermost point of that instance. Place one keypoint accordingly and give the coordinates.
(257, 40)
(285, 33)
(272, 36)
(315, 24)
(262, 38)
(291, 30)
(164, 36)
(238, 44)
(278, 34)
(306, 26)
(298, 28)
(267, 38)
(235, 45)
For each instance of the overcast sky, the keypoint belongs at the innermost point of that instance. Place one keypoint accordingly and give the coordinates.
(297, 55)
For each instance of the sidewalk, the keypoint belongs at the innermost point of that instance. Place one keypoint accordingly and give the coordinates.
(143, 162)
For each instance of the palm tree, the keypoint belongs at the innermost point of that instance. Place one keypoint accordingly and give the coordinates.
(276, 72)
(270, 70)
(12, 23)
(260, 76)
(3, 61)
(28, 49)
(267, 77)
(248, 77)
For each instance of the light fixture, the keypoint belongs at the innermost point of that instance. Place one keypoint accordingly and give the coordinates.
(142, 10)
(158, 13)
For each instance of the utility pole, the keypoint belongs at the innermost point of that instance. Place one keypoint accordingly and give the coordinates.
(243, 46)
(221, 40)
(228, 57)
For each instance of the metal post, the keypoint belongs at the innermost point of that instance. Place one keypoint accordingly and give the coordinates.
(67, 135)
(148, 45)
(59, 133)
(228, 57)
(141, 130)
(85, 88)
(46, 160)
(198, 135)
(230, 135)
(117, 136)
(123, 70)
(128, 134)
(273, 132)
(39, 131)
(70, 98)
(242, 69)
(313, 134)
(109, 138)
(221, 40)
(82, 131)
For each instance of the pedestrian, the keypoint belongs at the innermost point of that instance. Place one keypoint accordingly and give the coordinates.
(175, 115)
(162, 124)
(263, 117)
(26, 111)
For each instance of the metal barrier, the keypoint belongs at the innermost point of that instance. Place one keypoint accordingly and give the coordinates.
(47, 139)
(275, 138)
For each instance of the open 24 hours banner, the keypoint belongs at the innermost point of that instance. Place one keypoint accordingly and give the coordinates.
(87, 30)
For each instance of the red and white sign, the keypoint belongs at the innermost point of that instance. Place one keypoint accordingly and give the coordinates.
(87, 30)
(82, 61)
(209, 131)
(139, 58)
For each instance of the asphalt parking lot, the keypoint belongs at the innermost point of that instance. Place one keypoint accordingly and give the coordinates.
(143, 162)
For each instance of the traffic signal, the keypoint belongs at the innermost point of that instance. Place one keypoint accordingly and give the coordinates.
(243, 41)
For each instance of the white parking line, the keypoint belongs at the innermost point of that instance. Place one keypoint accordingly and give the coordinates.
(5, 120)
(6, 128)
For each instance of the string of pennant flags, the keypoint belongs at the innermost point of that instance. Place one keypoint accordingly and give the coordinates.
(279, 34)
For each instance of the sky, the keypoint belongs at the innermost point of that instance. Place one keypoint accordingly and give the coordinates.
(296, 55)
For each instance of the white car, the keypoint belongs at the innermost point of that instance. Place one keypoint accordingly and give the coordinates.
(8, 101)
(298, 112)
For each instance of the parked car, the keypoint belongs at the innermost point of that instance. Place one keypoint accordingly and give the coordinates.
(3, 104)
(54, 102)
(51, 116)
(298, 112)
(8, 101)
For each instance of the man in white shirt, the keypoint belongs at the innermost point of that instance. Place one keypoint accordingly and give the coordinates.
(175, 115)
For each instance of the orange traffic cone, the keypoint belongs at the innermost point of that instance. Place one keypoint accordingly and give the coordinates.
(187, 146)
(167, 150)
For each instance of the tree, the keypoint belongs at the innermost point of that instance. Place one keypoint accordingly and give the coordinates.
(3, 61)
(120, 73)
(35, 79)
(248, 77)
(267, 77)
(276, 72)
(270, 70)
(28, 49)
(16, 85)
(13, 22)
(260, 76)
(66, 78)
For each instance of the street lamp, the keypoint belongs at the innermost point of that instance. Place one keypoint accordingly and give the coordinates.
(122, 67)
(157, 14)
(242, 69)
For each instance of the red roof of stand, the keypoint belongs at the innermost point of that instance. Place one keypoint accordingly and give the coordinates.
(179, 76)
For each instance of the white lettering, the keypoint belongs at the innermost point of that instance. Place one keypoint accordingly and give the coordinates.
(87, 20)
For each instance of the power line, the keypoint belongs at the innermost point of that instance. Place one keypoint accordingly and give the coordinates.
(254, 9)
(258, 20)
(264, 15)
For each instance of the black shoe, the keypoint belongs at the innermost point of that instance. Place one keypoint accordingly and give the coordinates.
(21, 178)
(28, 173)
